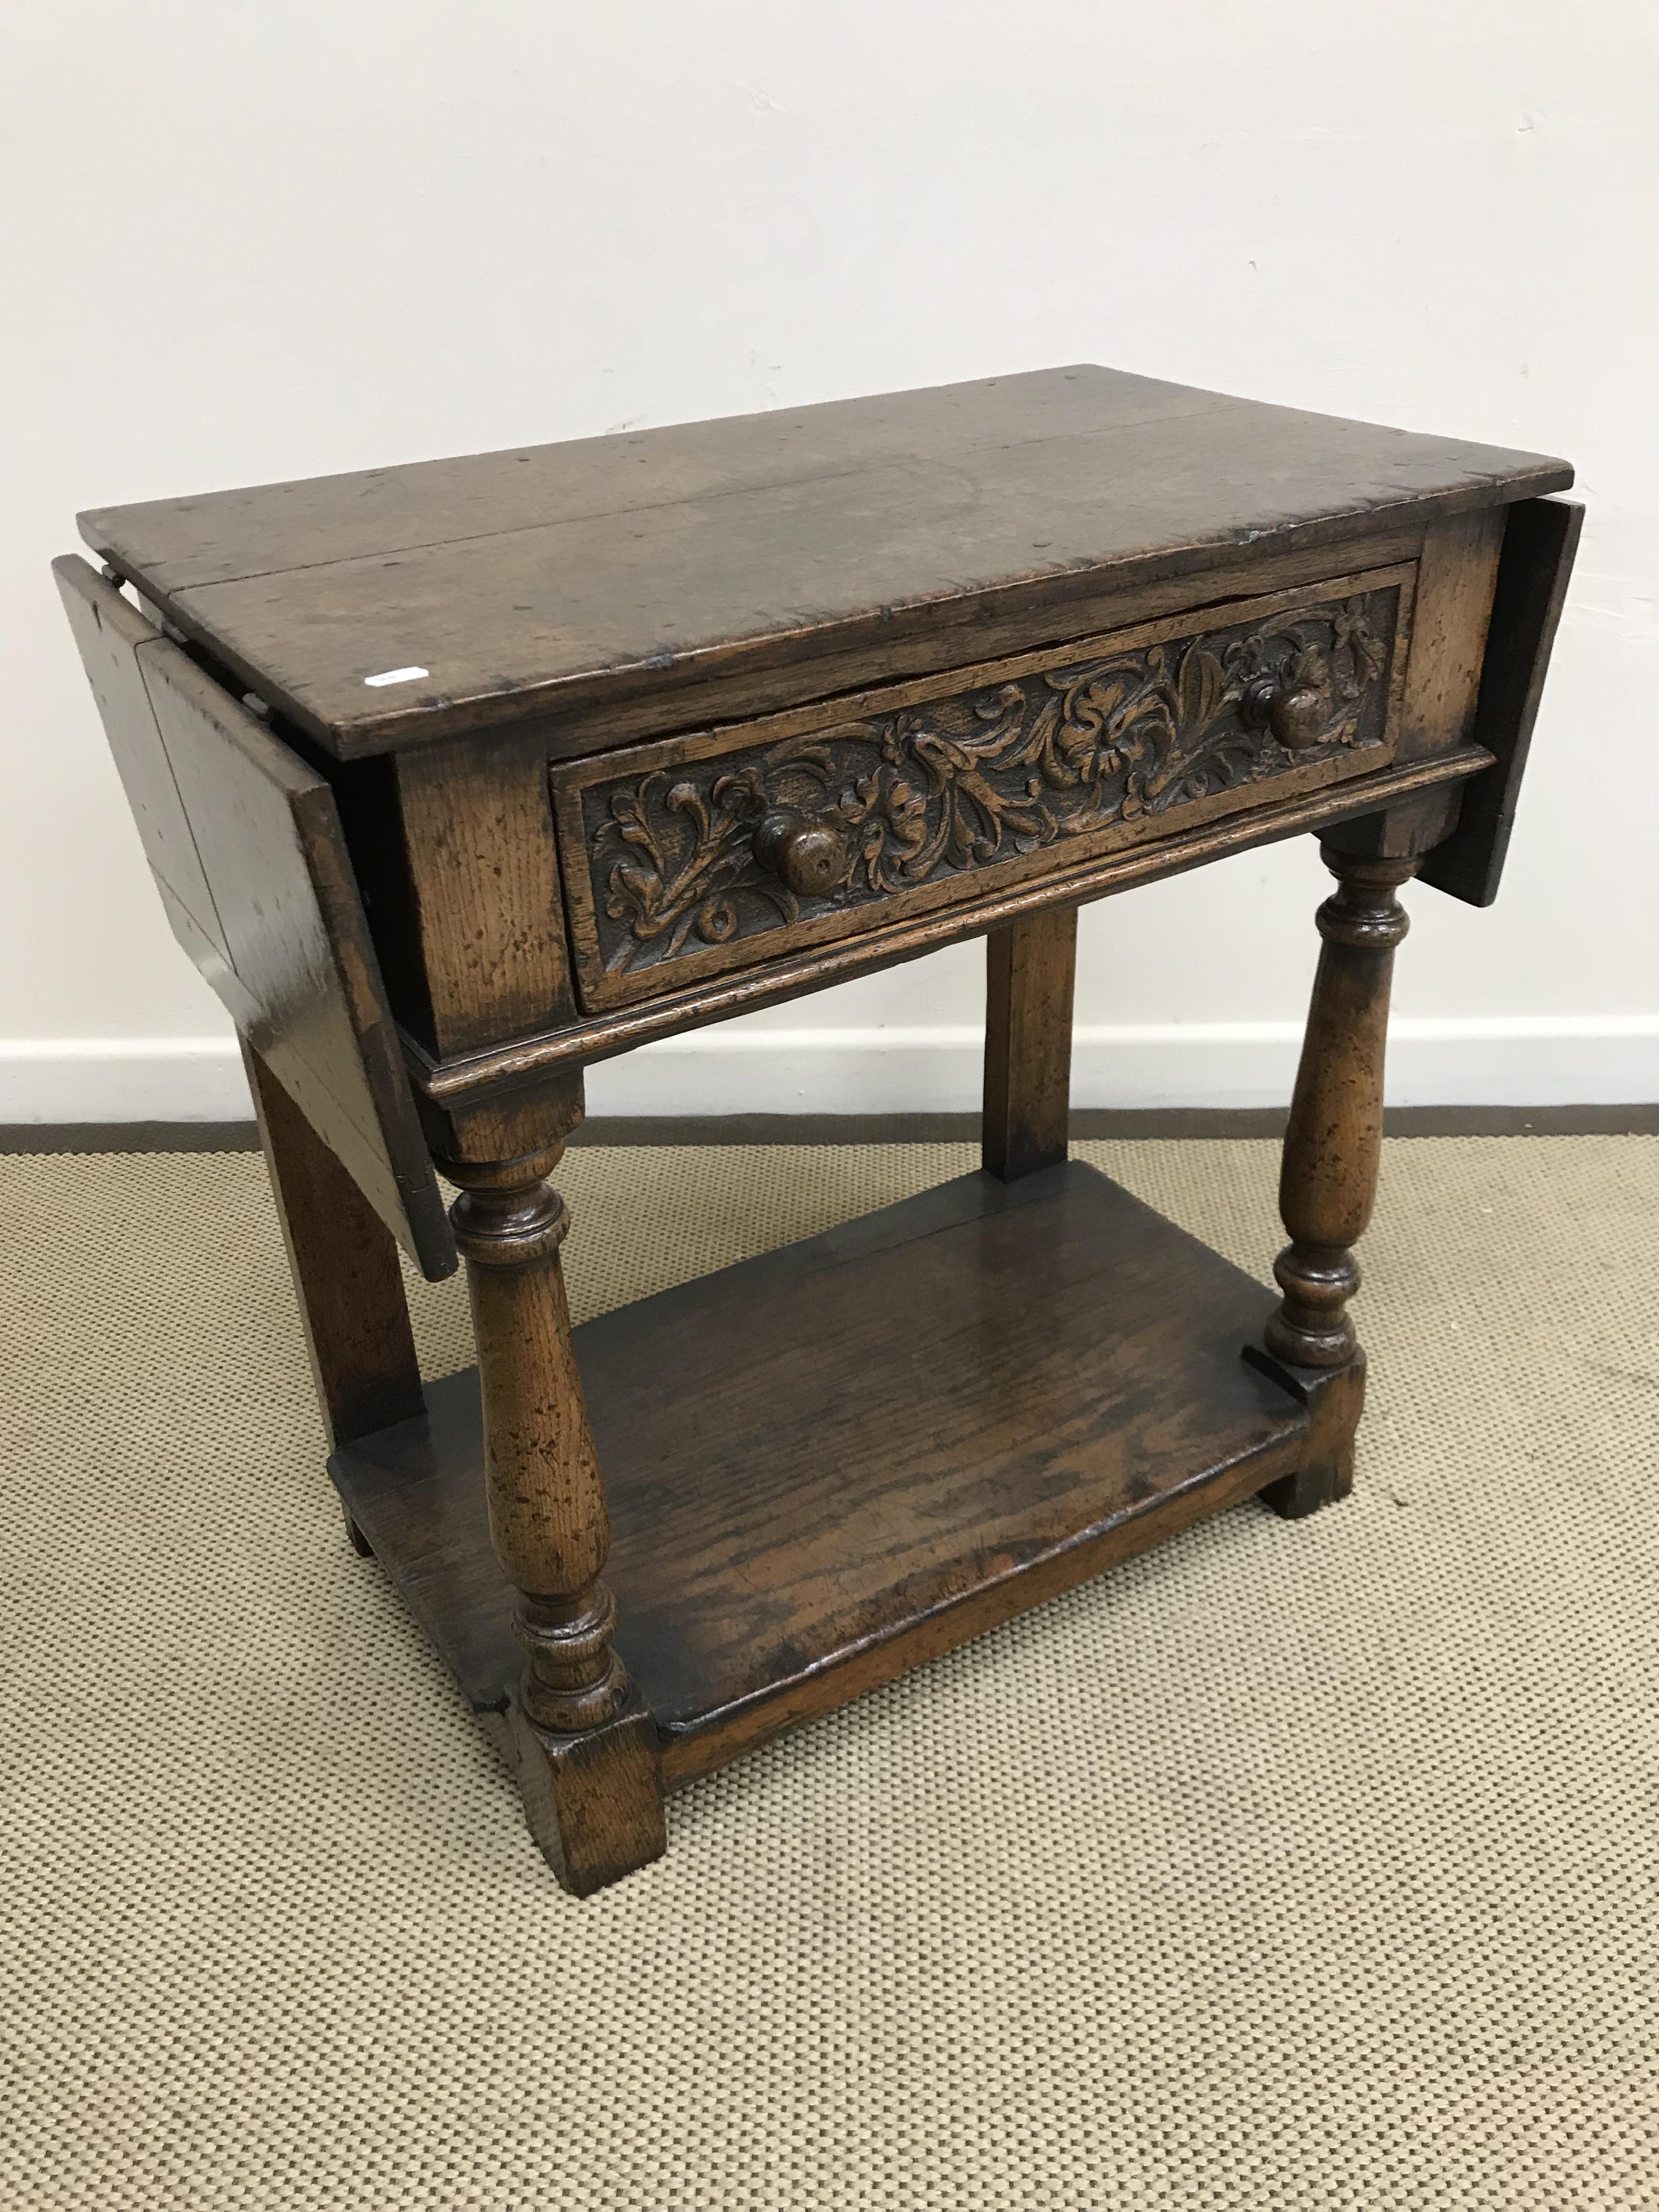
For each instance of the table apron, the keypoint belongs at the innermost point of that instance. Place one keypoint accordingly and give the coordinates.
(462, 1079)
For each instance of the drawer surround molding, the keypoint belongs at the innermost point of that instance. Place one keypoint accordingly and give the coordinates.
(711, 851)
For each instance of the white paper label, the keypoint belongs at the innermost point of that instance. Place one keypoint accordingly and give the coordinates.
(396, 675)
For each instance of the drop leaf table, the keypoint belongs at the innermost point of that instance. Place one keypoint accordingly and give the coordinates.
(457, 777)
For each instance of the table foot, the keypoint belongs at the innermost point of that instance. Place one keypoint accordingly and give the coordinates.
(1334, 1398)
(594, 1802)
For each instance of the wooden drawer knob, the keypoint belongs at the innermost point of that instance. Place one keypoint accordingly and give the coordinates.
(809, 858)
(1296, 714)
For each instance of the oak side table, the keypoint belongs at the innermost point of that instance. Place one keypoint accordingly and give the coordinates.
(455, 778)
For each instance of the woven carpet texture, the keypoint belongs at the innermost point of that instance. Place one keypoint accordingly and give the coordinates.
(1288, 1865)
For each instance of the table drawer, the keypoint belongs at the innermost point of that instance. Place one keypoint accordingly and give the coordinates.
(715, 851)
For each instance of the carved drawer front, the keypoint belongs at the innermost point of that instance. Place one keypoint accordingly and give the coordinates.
(703, 854)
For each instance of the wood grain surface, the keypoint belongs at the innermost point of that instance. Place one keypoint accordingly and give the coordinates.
(1541, 540)
(343, 1260)
(538, 581)
(1030, 972)
(263, 881)
(827, 1463)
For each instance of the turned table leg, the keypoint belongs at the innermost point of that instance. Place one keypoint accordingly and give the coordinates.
(1328, 1183)
(586, 1748)
(1029, 968)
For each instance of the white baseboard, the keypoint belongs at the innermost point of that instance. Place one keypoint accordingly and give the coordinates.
(179, 1079)
(1605, 1059)
(1508, 1061)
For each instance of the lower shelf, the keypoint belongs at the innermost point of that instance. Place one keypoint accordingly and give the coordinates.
(831, 1463)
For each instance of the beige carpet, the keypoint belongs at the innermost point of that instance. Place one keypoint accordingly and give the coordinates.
(1289, 1866)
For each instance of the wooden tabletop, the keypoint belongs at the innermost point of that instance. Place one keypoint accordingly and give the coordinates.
(541, 579)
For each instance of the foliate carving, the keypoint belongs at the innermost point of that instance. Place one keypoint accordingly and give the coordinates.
(866, 808)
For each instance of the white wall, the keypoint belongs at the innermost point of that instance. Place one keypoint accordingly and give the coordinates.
(253, 241)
